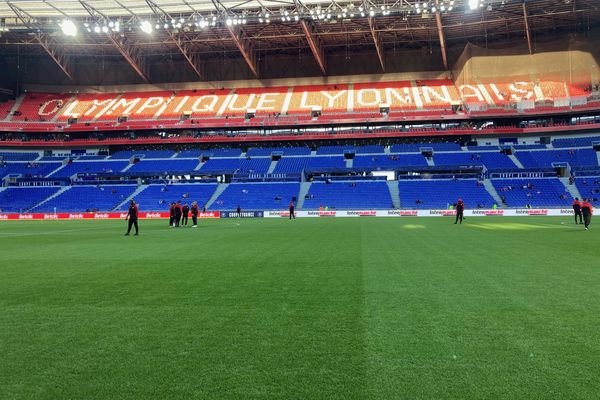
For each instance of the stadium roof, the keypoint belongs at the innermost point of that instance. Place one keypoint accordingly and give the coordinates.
(143, 33)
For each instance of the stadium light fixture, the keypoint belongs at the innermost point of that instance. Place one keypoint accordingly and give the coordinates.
(68, 28)
(473, 4)
(146, 27)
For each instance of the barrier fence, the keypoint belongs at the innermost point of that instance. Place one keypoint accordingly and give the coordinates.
(300, 214)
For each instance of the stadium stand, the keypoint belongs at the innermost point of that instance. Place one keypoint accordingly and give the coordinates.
(158, 197)
(545, 159)
(544, 192)
(28, 169)
(441, 193)
(256, 196)
(164, 166)
(89, 167)
(19, 199)
(87, 198)
(346, 195)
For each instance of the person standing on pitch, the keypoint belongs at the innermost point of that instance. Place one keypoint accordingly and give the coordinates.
(132, 216)
(292, 213)
(239, 211)
(460, 209)
(172, 215)
(185, 210)
(586, 209)
(577, 211)
(194, 214)
(177, 214)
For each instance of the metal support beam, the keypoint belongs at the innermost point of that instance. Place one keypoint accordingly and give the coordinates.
(440, 29)
(183, 46)
(377, 41)
(245, 47)
(315, 45)
(527, 32)
(54, 50)
(130, 53)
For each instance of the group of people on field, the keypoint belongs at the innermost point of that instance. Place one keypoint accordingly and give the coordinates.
(179, 213)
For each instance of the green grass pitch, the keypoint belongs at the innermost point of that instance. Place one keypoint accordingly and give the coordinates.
(381, 308)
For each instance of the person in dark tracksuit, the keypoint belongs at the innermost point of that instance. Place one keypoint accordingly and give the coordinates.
(239, 211)
(132, 216)
(194, 214)
(178, 212)
(460, 209)
(577, 211)
(292, 213)
(586, 210)
(172, 215)
(185, 210)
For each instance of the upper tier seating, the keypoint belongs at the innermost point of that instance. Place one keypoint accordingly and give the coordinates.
(544, 192)
(18, 156)
(348, 195)
(19, 199)
(164, 166)
(291, 165)
(492, 160)
(30, 169)
(326, 162)
(35, 106)
(575, 142)
(90, 167)
(240, 165)
(544, 159)
(83, 198)
(127, 154)
(256, 196)
(158, 197)
(383, 161)
(267, 151)
(441, 193)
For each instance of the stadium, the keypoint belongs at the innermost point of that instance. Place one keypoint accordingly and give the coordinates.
(392, 200)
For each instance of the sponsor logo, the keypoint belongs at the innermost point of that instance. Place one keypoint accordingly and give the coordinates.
(370, 213)
(51, 216)
(75, 216)
(322, 213)
(532, 212)
(403, 213)
(3, 216)
(153, 215)
(25, 216)
(567, 211)
(278, 214)
(243, 214)
(209, 214)
(487, 212)
(101, 216)
(444, 213)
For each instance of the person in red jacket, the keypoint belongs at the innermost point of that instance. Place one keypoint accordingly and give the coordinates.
(172, 215)
(292, 213)
(577, 211)
(460, 209)
(132, 216)
(194, 214)
(587, 211)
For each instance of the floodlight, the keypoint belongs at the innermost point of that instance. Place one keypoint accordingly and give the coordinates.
(146, 27)
(68, 28)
